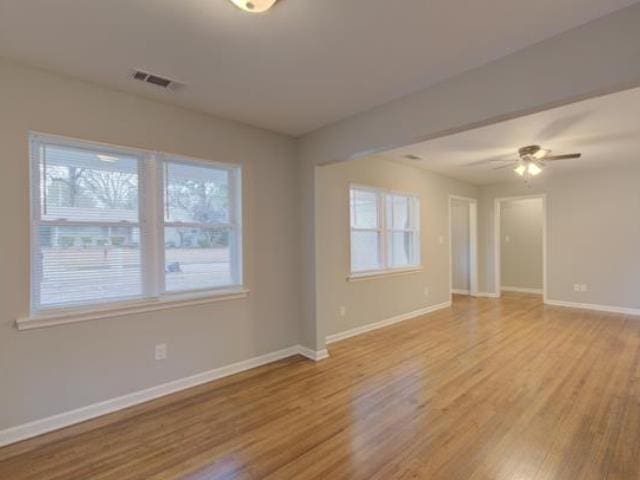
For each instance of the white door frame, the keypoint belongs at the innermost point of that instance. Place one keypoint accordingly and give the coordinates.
(498, 241)
(473, 245)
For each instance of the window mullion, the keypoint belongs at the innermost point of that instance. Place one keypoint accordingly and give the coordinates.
(382, 217)
(150, 205)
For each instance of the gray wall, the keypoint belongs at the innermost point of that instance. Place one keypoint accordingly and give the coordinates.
(593, 222)
(460, 245)
(371, 300)
(51, 370)
(521, 225)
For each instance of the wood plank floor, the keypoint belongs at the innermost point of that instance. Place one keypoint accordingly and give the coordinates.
(489, 389)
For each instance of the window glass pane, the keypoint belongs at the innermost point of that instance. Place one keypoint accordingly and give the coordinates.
(401, 249)
(399, 212)
(364, 208)
(365, 251)
(88, 264)
(197, 194)
(88, 185)
(199, 258)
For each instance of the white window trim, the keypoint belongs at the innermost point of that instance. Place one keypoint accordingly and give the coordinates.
(383, 233)
(151, 224)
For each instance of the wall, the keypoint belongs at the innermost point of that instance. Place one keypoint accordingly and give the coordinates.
(460, 245)
(371, 300)
(521, 225)
(598, 57)
(51, 370)
(593, 233)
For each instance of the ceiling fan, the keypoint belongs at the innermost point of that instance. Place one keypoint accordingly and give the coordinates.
(533, 159)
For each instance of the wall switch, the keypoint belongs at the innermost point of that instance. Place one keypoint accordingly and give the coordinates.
(441, 239)
(161, 351)
(343, 311)
(426, 291)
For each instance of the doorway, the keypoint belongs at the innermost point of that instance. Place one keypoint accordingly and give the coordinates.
(521, 245)
(463, 245)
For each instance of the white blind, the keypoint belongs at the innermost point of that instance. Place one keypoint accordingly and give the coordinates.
(96, 238)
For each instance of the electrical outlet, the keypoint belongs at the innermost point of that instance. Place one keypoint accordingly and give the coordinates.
(426, 291)
(161, 351)
(343, 311)
(576, 287)
(583, 287)
(507, 239)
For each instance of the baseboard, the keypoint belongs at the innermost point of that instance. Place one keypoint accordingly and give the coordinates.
(487, 295)
(593, 306)
(457, 291)
(315, 355)
(384, 323)
(537, 291)
(65, 419)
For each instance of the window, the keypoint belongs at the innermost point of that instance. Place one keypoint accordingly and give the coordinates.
(385, 232)
(99, 235)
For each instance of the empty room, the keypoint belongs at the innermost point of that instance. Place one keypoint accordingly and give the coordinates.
(337, 239)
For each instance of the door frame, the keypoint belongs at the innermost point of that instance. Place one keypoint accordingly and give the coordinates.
(473, 244)
(497, 243)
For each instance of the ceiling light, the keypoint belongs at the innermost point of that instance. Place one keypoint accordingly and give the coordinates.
(533, 169)
(254, 6)
(520, 169)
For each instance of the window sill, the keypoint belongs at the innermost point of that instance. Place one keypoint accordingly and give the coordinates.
(357, 277)
(173, 301)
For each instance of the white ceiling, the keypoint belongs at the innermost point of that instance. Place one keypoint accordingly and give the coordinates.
(606, 130)
(305, 64)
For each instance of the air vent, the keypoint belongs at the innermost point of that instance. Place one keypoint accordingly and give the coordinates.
(411, 156)
(156, 80)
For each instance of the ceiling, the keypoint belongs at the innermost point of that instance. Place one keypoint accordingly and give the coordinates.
(604, 129)
(304, 64)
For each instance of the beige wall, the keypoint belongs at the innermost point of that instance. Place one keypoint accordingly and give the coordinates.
(593, 233)
(460, 245)
(372, 300)
(521, 226)
(51, 370)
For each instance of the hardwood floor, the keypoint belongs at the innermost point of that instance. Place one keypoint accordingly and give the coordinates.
(489, 389)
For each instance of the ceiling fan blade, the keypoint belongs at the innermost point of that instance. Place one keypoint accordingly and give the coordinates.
(562, 157)
(487, 161)
(511, 165)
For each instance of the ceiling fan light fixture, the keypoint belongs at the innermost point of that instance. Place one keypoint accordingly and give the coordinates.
(520, 169)
(254, 6)
(533, 169)
(543, 152)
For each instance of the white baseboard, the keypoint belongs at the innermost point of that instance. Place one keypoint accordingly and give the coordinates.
(537, 291)
(65, 419)
(315, 355)
(457, 291)
(384, 323)
(487, 295)
(593, 306)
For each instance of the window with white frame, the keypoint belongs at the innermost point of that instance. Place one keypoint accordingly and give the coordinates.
(111, 225)
(385, 230)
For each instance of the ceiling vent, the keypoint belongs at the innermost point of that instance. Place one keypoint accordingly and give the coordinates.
(156, 80)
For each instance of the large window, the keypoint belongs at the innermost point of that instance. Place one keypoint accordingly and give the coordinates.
(111, 225)
(385, 230)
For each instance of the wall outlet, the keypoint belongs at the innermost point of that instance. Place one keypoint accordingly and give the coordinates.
(507, 239)
(584, 288)
(580, 287)
(342, 310)
(161, 351)
(426, 291)
(576, 287)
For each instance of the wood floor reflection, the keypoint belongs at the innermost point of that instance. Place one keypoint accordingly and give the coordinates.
(488, 389)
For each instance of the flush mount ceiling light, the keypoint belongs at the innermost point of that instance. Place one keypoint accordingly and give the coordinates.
(254, 6)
